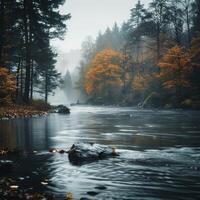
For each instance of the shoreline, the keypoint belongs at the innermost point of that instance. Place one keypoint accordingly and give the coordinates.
(28, 111)
(19, 111)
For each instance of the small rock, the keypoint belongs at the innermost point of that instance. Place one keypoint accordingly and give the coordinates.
(80, 153)
(61, 109)
(61, 151)
(92, 193)
(101, 187)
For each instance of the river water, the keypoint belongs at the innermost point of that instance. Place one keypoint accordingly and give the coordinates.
(159, 153)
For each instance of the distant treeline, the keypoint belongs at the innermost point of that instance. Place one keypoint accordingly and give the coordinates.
(27, 61)
(152, 59)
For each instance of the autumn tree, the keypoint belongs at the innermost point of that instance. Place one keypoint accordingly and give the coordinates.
(102, 77)
(174, 67)
(151, 66)
(7, 86)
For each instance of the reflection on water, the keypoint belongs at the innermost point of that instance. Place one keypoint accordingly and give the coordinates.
(159, 152)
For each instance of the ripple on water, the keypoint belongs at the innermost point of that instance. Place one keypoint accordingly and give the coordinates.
(159, 152)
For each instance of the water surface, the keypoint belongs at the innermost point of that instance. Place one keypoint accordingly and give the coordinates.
(159, 153)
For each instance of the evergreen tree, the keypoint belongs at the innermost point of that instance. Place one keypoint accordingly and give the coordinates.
(196, 17)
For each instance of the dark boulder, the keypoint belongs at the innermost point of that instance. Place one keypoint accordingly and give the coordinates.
(63, 109)
(81, 153)
(6, 166)
(60, 109)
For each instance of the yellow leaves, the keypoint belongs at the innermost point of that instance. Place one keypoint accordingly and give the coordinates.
(176, 58)
(69, 196)
(7, 85)
(178, 83)
(174, 68)
(103, 71)
(141, 82)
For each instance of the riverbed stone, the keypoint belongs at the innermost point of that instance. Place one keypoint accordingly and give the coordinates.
(88, 152)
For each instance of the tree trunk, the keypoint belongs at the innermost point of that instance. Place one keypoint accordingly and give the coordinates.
(1, 30)
(158, 42)
(32, 71)
(28, 40)
(17, 79)
(21, 82)
(46, 88)
(188, 25)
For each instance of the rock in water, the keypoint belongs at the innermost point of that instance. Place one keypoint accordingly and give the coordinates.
(6, 166)
(80, 153)
(63, 109)
(60, 109)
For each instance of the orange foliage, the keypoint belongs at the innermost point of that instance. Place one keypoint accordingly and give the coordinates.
(174, 67)
(141, 82)
(7, 86)
(103, 71)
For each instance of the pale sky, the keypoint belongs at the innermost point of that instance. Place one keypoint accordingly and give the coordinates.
(88, 18)
(91, 16)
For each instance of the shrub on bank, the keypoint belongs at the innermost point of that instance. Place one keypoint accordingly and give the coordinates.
(39, 104)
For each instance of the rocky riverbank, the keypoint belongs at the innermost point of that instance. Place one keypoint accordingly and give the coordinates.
(17, 111)
(26, 111)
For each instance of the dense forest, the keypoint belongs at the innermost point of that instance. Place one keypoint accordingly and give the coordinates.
(153, 59)
(27, 60)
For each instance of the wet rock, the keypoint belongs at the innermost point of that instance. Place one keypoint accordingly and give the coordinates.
(54, 150)
(101, 187)
(92, 193)
(6, 166)
(61, 151)
(61, 109)
(80, 153)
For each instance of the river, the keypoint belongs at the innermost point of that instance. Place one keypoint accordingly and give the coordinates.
(159, 153)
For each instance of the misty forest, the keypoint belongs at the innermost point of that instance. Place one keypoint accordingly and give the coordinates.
(99, 99)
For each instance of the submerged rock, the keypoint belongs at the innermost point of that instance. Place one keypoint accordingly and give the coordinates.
(86, 152)
(92, 193)
(61, 109)
(6, 166)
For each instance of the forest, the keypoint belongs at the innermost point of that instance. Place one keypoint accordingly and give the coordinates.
(124, 125)
(27, 60)
(151, 60)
